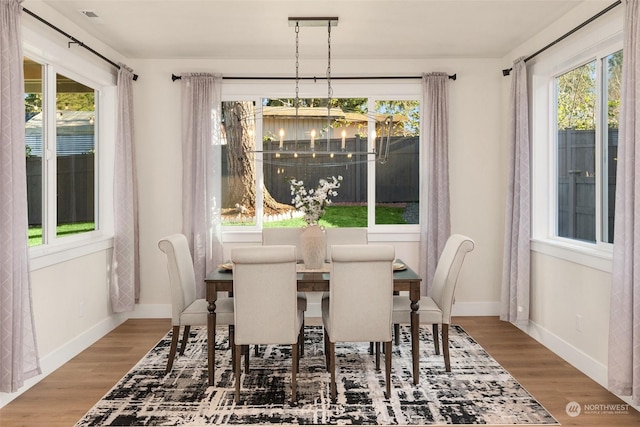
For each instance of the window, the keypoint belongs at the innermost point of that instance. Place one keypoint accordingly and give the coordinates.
(266, 143)
(60, 118)
(587, 100)
(397, 173)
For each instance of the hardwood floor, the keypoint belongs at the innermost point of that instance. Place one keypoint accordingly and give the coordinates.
(67, 394)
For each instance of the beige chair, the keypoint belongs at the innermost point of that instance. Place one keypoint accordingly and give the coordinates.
(358, 305)
(286, 236)
(186, 309)
(345, 236)
(436, 308)
(265, 303)
(283, 236)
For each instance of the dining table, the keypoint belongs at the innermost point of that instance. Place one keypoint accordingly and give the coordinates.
(314, 280)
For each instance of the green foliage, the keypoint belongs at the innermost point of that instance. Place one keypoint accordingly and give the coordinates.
(614, 84)
(576, 98)
(76, 101)
(576, 95)
(33, 103)
(408, 109)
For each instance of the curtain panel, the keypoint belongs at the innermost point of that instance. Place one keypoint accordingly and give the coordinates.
(434, 212)
(18, 350)
(125, 260)
(201, 172)
(514, 304)
(624, 325)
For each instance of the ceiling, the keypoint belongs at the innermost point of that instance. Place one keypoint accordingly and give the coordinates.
(259, 29)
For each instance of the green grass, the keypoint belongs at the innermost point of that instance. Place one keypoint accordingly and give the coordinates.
(347, 216)
(35, 233)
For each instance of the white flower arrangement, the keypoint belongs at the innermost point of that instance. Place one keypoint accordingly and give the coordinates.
(312, 202)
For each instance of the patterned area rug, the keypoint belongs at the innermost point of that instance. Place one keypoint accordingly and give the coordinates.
(476, 391)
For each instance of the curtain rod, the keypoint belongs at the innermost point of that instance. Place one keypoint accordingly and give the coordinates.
(452, 77)
(74, 40)
(507, 71)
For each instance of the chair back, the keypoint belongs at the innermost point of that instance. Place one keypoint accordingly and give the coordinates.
(181, 274)
(283, 236)
(447, 271)
(265, 294)
(361, 293)
(345, 236)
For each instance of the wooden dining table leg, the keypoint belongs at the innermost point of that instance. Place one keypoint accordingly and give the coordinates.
(414, 296)
(211, 340)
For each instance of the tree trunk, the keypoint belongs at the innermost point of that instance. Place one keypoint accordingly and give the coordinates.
(239, 127)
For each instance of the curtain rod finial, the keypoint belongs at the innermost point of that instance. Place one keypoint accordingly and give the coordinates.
(506, 72)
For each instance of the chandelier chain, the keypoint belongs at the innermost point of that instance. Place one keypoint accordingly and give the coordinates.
(297, 100)
(329, 89)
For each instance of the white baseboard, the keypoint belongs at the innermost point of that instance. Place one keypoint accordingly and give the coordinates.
(481, 308)
(572, 355)
(151, 311)
(54, 360)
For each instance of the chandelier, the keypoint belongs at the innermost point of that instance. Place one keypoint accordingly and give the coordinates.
(334, 151)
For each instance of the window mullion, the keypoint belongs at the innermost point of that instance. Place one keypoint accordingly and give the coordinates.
(599, 111)
(49, 216)
(371, 170)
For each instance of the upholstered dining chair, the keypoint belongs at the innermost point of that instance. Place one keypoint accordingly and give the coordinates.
(358, 306)
(266, 306)
(283, 236)
(286, 236)
(345, 236)
(435, 309)
(186, 309)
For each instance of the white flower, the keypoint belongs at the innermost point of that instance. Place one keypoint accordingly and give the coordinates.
(312, 202)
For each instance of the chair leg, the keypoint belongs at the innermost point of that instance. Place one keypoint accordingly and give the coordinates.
(371, 348)
(387, 366)
(445, 347)
(246, 352)
(300, 347)
(332, 369)
(294, 369)
(326, 351)
(172, 349)
(232, 346)
(185, 338)
(436, 343)
(238, 374)
(396, 333)
(301, 339)
(377, 356)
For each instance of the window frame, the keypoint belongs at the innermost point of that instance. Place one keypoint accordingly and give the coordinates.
(543, 74)
(102, 78)
(410, 89)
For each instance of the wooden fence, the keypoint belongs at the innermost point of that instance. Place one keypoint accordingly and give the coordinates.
(75, 189)
(577, 183)
(397, 180)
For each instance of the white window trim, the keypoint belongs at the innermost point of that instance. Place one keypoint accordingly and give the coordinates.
(410, 89)
(544, 167)
(41, 48)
